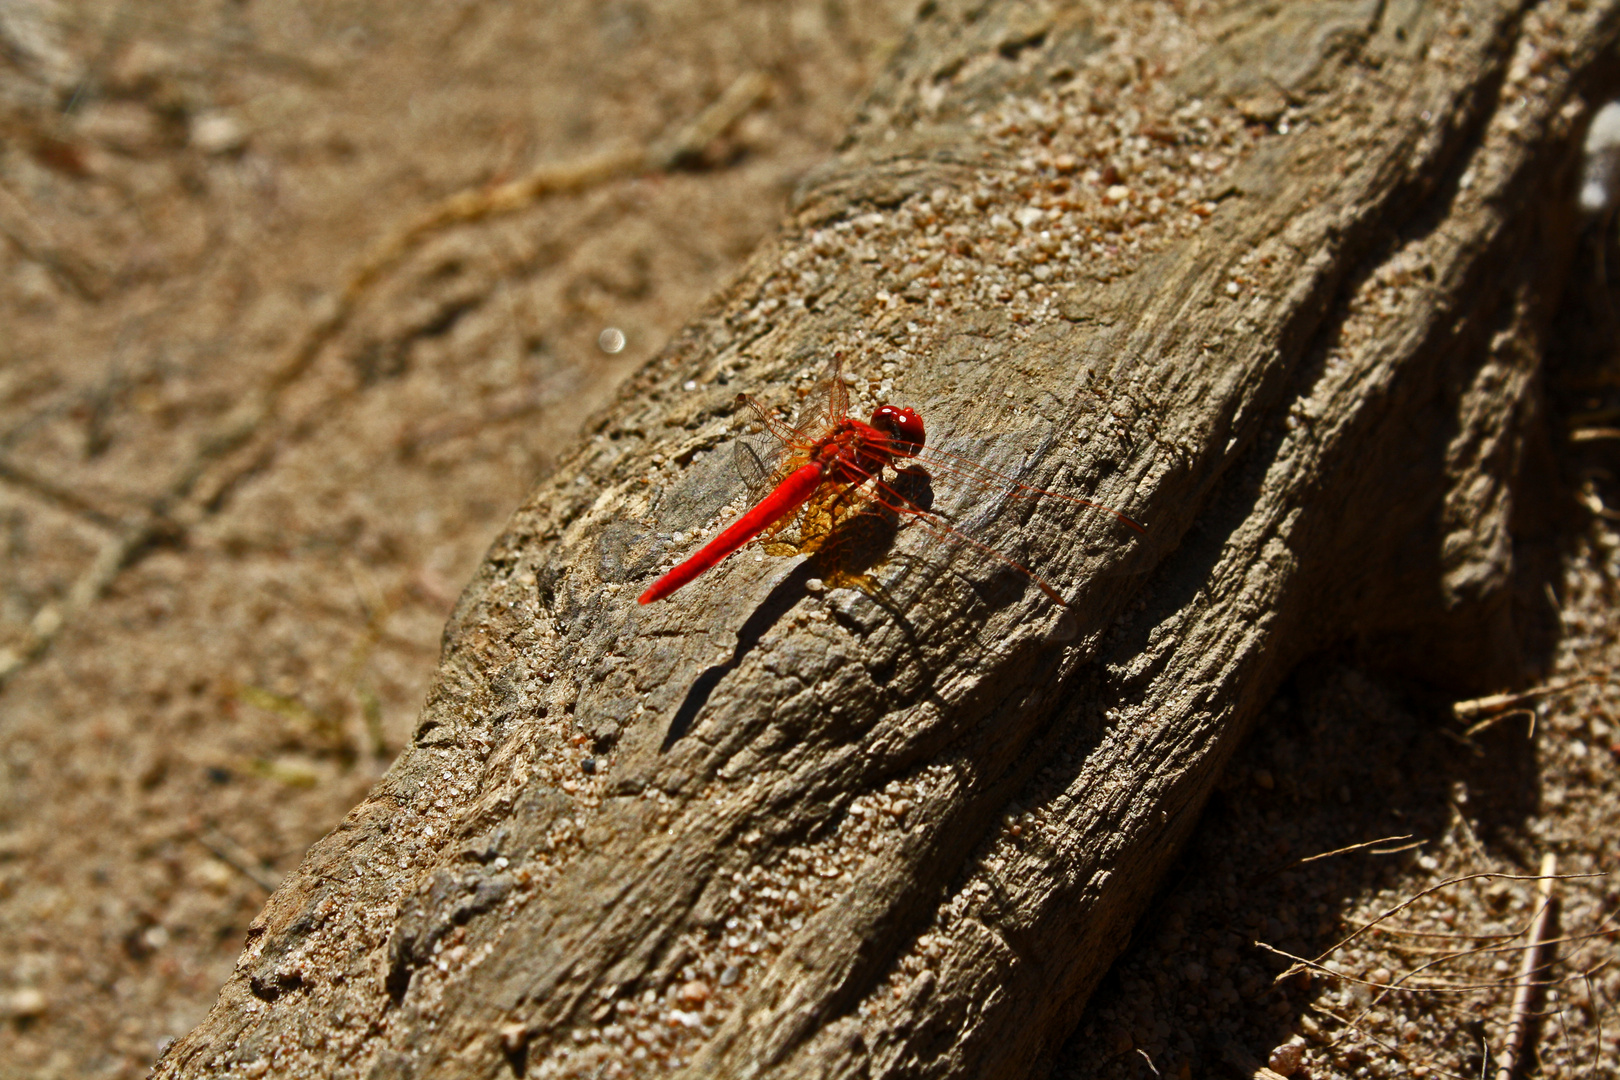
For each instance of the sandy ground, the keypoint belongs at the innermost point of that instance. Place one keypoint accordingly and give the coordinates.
(228, 554)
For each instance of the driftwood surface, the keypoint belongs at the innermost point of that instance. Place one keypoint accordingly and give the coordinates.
(1272, 278)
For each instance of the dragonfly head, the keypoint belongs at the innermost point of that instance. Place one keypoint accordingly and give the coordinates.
(903, 426)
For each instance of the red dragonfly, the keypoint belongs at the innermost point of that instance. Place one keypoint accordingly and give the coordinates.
(832, 464)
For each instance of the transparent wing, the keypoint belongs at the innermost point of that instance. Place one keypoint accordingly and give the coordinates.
(970, 476)
(784, 433)
(759, 462)
(827, 403)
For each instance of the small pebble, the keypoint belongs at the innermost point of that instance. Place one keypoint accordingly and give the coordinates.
(23, 1002)
(217, 133)
(1287, 1058)
(695, 992)
(589, 765)
(677, 1018)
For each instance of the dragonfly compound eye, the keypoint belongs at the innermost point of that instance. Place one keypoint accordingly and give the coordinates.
(904, 425)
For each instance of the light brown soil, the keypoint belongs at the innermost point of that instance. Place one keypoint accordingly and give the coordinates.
(184, 190)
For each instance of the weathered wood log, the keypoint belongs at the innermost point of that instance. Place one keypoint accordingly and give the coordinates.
(1271, 278)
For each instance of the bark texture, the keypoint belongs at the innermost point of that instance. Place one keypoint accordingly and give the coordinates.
(1271, 278)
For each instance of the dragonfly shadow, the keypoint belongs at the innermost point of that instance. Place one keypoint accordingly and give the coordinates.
(843, 560)
(865, 539)
(788, 592)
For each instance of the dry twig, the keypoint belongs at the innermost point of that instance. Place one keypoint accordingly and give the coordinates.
(1525, 992)
(1492, 704)
(477, 204)
(1599, 434)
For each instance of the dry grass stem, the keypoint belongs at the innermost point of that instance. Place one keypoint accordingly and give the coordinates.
(1364, 845)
